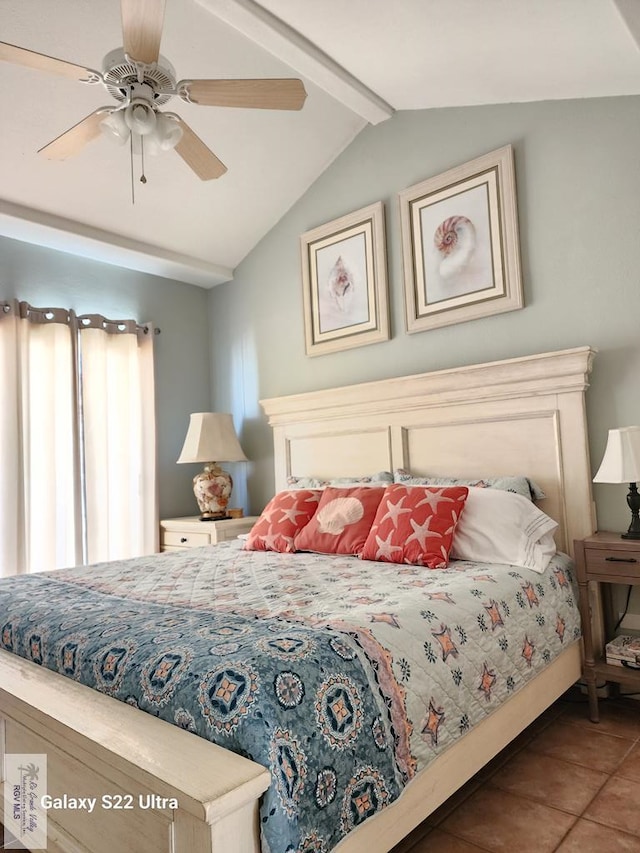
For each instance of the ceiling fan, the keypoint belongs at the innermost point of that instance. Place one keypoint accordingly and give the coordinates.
(141, 80)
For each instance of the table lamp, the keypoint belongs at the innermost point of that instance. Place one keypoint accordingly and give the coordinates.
(212, 436)
(621, 464)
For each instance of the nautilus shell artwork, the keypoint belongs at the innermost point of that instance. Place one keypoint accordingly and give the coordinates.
(341, 284)
(338, 514)
(455, 242)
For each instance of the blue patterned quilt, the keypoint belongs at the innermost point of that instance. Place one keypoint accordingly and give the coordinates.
(344, 677)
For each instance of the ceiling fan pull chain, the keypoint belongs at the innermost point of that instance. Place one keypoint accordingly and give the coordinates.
(133, 186)
(143, 177)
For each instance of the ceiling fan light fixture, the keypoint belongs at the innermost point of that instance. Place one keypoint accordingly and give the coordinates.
(165, 136)
(140, 118)
(168, 132)
(115, 128)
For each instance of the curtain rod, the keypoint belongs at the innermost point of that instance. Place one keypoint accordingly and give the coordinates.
(67, 316)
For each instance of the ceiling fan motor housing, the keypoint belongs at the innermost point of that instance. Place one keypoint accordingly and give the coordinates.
(121, 73)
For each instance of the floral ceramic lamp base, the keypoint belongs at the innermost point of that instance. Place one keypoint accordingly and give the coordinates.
(212, 488)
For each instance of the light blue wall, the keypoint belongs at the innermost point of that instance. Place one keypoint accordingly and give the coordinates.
(578, 179)
(45, 277)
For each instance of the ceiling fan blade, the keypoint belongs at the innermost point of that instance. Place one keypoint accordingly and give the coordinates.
(285, 94)
(197, 156)
(42, 62)
(142, 22)
(73, 140)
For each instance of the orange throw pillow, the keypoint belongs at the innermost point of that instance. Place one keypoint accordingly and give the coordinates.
(284, 516)
(415, 524)
(343, 520)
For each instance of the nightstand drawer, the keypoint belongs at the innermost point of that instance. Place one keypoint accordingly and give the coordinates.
(176, 534)
(183, 539)
(612, 564)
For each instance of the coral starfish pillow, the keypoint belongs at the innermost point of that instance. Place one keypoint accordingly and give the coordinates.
(284, 516)
(415, 524)
(343, 521)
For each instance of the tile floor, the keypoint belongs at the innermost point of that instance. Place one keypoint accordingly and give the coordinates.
(566, 784)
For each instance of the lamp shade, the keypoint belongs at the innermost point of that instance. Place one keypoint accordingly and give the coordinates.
(621, 460)
(211, 437)
(168, 131)
(115, 128)
(140, 118)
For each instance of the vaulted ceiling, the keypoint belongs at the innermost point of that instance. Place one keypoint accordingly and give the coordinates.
(359, 60)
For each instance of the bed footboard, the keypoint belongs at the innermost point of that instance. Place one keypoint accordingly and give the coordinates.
(182, 794)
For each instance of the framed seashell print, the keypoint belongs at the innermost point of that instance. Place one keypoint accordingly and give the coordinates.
(460, 244)
(344, 281)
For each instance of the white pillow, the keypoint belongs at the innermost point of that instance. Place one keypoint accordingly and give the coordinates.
(502, 527)
(381, 478)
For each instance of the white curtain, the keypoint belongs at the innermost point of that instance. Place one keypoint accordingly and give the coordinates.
(119, 444)
(77, 428)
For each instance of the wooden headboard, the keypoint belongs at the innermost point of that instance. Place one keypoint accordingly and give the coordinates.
(520, 416)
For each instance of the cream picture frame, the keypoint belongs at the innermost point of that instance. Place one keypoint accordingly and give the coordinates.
(460, 243)
(344, 279)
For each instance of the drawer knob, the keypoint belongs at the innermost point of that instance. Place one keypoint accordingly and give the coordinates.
(183, 539)
(621, 560)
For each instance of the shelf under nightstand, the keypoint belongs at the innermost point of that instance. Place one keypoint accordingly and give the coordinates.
(604, 558)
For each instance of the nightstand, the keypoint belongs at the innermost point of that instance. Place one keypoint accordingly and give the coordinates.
(604, 558)
(177, 534)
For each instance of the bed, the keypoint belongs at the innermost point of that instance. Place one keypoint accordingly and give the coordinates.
(523, 415)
